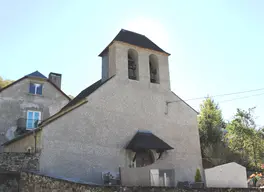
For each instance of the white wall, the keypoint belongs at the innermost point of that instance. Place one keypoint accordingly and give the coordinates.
(230, 175)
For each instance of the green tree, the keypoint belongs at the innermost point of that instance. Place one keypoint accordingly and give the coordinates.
(210, 124)
(245, 137)
(4, 83)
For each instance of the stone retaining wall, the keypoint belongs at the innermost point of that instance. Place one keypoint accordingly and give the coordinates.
(19, 161)
(35, 182)
(9, 181)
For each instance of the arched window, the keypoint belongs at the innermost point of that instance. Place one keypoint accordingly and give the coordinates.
(153, 69)
(144, 158)
(132, 58)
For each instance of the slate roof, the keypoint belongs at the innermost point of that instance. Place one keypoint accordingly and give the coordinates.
(36, 74)
(147, 140)
(86, 92)
(134, 39)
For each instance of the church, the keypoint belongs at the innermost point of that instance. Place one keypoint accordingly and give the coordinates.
(127, 128)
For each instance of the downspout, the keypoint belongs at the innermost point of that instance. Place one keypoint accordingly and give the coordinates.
(35, 140)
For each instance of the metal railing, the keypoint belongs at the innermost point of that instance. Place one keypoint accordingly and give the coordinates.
(23, 123)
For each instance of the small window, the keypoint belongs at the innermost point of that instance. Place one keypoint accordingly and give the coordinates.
(35, 88)
(33, 119)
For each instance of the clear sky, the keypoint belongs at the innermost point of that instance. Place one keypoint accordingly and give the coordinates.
(216, 46)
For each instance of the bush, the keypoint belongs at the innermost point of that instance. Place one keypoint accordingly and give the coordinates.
(198, 177)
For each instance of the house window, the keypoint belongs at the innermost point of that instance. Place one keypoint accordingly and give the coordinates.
(153, 69)
(132, 64)
(35, 88)
(33, 118)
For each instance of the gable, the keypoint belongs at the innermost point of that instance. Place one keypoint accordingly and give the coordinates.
(33, 77)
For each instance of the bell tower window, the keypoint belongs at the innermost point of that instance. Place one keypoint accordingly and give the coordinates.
(132, 58)
(153, 69)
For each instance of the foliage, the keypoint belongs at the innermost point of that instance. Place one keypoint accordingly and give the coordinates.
(245, 137)
(214, 143)
(4, 83)
(198, 177)
(210, 122)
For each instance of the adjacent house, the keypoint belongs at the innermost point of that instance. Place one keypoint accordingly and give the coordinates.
(127, 127)
(28, 101)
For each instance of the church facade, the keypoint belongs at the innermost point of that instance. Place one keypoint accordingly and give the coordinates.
(128, 125)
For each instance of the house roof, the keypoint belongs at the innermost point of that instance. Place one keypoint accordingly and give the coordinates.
(134, 39)
(38, 75)
(147, 140)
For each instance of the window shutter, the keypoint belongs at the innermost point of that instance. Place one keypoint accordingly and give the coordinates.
(32, 88)
(39, 90)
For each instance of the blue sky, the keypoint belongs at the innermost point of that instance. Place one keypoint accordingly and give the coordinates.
(216, 46)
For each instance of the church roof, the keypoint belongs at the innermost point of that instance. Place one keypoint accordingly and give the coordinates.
(85, 93)
(134, 39)
(147, 140)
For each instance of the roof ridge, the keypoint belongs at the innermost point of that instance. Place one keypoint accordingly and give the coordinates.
(125, 30)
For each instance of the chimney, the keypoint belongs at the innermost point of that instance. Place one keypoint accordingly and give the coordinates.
(55, 78)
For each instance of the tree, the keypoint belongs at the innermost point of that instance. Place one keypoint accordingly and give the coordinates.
(210, 124)
(4, 83)
(197, 176)
(245, 137)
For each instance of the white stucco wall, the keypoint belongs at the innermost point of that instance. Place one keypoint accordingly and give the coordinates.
(230, 175)
(91, 138)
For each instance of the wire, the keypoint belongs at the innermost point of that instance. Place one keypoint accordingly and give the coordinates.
(226, 94)
(241, 98)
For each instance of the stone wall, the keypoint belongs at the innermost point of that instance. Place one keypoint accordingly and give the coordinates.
(34, 182)
(19, 161)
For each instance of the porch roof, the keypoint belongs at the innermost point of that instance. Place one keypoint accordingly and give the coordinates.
(147, 140)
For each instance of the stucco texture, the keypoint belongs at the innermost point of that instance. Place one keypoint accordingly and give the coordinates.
(16, 100)
(230, 175)
(91, 138)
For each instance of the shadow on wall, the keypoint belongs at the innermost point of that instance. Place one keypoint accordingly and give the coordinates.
(9, 181)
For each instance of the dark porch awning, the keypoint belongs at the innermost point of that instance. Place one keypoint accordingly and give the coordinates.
(147, 140)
